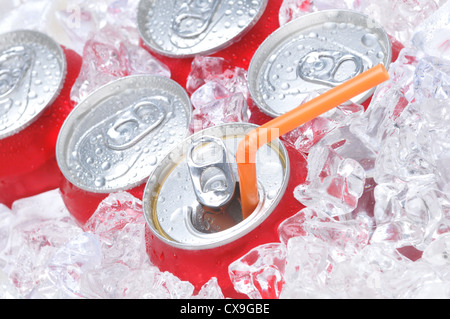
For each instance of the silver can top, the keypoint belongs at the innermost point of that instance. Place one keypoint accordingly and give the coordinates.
(172, 205)
(185, 28)
(312, 54)
(32, 73)
(116, 137)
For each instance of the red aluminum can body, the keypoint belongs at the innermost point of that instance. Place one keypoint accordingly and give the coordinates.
(27, 159)
(238, 53)
(113, 138)
(198, 266)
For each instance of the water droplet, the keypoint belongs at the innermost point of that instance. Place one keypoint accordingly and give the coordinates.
(330, 25)
(106, 166)
(100, 181)
(152, 160)
(369, 40)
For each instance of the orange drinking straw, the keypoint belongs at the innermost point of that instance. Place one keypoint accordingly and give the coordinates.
(246, 153)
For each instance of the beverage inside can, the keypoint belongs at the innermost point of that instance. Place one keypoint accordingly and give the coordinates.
(313, 54)
(32, 73)
(180, 28)
(115, 137)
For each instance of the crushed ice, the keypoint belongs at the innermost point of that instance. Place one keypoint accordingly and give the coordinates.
(377, 217)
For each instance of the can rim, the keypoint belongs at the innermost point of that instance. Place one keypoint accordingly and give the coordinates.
(38, 36)
(292, 27)
(84, 107)
(238, 231)
(143, 6)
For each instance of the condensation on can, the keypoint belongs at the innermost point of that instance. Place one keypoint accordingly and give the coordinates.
(180, 28)
(115, 137)
(312, 54)
(32, 72)
(170, 203)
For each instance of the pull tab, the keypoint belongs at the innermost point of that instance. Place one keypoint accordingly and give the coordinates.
(193, 17)
(14, 64)
(211, 172)
(322, 67)
(134, 125)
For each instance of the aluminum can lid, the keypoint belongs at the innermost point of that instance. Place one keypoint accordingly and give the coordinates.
(313, 54)
(116, 136)
(170, 202)
(32, 73)
(182, 28)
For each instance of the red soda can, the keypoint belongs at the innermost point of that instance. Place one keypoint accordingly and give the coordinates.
(313, 54)
(177, 30)
(36, 76)
(116, 136)
(192, 204)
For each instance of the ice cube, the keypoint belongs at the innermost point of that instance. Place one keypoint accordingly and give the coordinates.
(109, 55)
(7, 289)
(432, 79)
(292, 9)
(334, 184)
(375, 272)
(388, 102)
(399, 18)
(220, 71)
(205, 69)
(219, 93)
(102, 282)
(66, 267)
(113, 214)
(419, 280)
(260, 273)
(231, 109)
(208, 93)
(210, 290)
(308, 266)
(120, 225)
(347, 144)
(307, 135)
(79, 19)
(293, 226)
(406, 214)
(345, 238)
(432, 36)
(438, 252)
(40, 226)
(405, 156)
(364, 211)
(149, 283)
